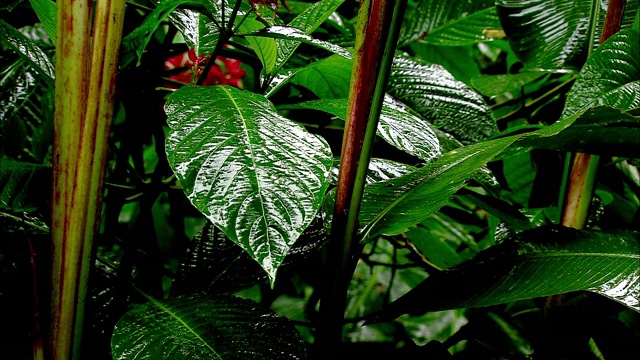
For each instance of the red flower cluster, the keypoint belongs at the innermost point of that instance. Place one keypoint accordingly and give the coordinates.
(224, 71)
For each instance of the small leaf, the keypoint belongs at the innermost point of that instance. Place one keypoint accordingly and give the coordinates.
(535, 263)
(28, 50)
(397, 126)
(256, 175)
(46, 12)
(23, 186)
(611, 76)
(265, 48)
(482, 26)
(445, 102)
(205, 327)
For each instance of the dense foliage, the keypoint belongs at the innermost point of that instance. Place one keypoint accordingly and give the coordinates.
(223, 161)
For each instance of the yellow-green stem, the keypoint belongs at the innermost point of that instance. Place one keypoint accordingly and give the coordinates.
(85, 82)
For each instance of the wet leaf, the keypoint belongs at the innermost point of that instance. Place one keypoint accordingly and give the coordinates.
(494, 85)
(264, 47)
(392, 206)
(482, 26)
(443, 101)
(23, 186)
(535, 263)
(205, 327)
(428, 15)
(27, 49)
(610, 77)
(22, 223)
(397, 126)
(256, 175)
(552, 35)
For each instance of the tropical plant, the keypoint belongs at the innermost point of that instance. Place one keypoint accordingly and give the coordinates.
(213, 179)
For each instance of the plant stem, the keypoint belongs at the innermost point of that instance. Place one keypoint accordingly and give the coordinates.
(378, 28)
(85, 84)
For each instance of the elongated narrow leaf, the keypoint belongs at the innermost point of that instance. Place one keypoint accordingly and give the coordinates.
(482, 26)
(610, 77)
(22, 223)
(397, 126)
(390, 207)
(445, 102)
(428, 15)
(46, 11)
(306, 22)
(552, 34)
(265, 48)
(291, 33)
(28, 50)
(205, 327)
(256, 175)
(536, 263)
(23, 186)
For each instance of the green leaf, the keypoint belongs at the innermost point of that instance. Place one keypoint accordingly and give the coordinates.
(46, 12)
(133, 44)
(23, 186)
(198, 31)
(295, 34)
(428, 15)
(328, 78)
(265, 48)
(205, 327)
(258, 176)
(535, 263)
(397, 126)
(22, 223)
(482, 26)
(551, 35)
(443, 101)
(392, 206)
(28, 50)
(494, 85)
(306, 22)
(611, 76)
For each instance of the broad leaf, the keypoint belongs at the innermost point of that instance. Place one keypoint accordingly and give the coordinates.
(445, 102)
(610, 77)
(23, 186)
(46, 11)
(553, 34)
(397, 126)
(428, 15)
(256, 175)
(295, 34)
(28, 50)
(535, 263)
(482, 26)
(328, 78)
(306, 22)
(494, 85)
(205, 327)
(392, 206)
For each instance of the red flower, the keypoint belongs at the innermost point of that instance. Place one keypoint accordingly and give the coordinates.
(224, 71)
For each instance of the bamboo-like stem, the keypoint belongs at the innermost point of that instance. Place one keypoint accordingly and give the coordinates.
(378, 29)
(85, 83)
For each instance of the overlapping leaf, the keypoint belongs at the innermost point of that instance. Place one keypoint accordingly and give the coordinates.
(553, 35)
(535, 263)
(482, 26)
(445, 102)
(27, 49)
(23, 186)
(46, 11)
(256, 175)
(205, 327)
(493, 85)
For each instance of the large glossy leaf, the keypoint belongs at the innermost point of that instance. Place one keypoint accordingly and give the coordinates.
(28, 50)
(46, 11)
(445, 102)
(392, 206)
(205, 327)
(256, 175)
(552, 35)
(328, 78)
(397, 126)
(611, 76)
(306, 22)
(23, 186)
(482, 26)
(535, 263)
(427, 15)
